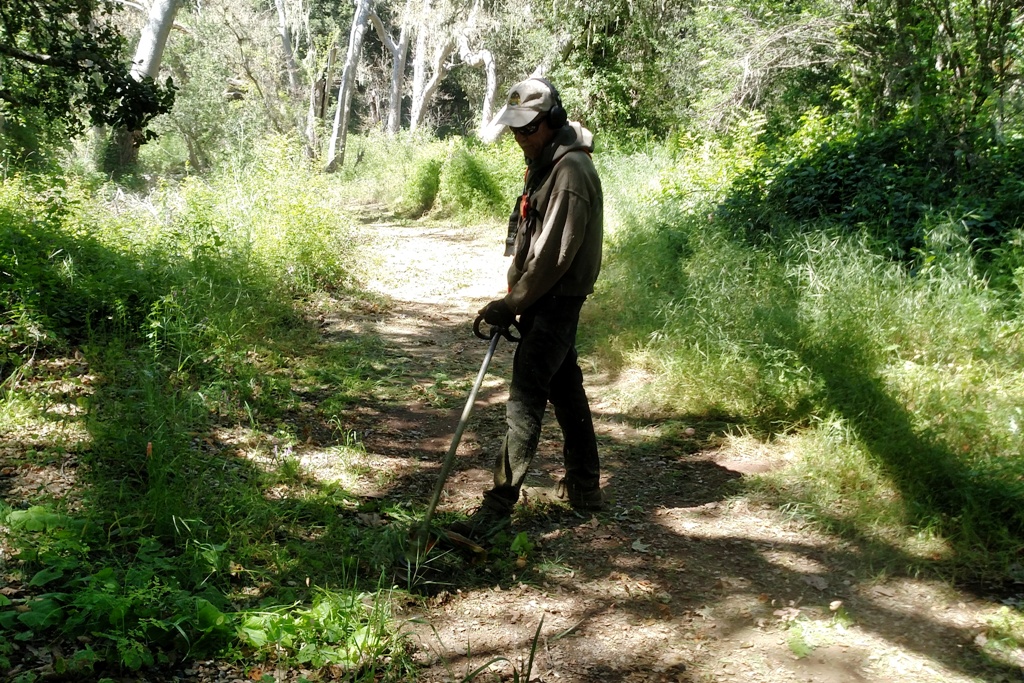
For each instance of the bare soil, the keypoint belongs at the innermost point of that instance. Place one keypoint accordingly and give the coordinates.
(682, 578)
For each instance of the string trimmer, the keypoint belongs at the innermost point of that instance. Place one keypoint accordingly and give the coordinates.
(422, 537)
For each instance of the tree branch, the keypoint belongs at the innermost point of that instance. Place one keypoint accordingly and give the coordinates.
(33, 57)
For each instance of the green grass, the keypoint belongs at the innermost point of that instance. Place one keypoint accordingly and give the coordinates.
(897, 385)
(176, 360)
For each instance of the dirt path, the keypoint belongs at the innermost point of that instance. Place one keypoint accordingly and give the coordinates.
(683, 578)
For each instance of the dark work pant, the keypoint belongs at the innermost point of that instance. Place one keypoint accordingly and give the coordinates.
(545, 368)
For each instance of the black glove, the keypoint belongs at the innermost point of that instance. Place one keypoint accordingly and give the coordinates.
(498, 313)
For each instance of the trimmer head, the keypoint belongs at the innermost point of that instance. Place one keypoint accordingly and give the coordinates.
(427, 561)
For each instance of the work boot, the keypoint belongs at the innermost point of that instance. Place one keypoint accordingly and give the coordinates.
(580, 499)
(483, 524)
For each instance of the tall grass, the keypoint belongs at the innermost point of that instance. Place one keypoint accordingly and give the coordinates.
(188, 308)
(413, 175)
(900, 385)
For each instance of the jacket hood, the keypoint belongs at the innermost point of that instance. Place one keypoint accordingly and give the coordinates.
(569, 138)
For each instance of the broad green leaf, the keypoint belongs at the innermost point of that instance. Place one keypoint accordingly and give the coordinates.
(208, 616)
(42, 614)
(7, 619)
(45, 576)
(256, 637)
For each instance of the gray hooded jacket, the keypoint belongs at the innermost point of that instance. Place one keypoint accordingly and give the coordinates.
(558, 244)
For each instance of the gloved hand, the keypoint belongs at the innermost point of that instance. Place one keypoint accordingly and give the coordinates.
(498, 313)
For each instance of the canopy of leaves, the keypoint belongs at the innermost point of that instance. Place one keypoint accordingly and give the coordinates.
(62, 63)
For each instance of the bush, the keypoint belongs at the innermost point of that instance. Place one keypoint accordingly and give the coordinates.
(64, 280)
(420, 189)
(469, 183)
(887, 182)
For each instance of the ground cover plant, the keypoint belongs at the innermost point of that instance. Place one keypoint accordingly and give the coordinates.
(884, 349)
(190, 316)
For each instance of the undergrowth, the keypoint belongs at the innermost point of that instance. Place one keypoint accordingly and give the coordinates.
(166, 342)
(885, 352)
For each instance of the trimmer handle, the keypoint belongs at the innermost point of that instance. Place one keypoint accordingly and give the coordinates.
(495, 330)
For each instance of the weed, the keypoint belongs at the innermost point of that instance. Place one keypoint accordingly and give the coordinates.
(518, 676)
(889, 378)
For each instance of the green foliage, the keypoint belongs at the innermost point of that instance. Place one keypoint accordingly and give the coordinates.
(421, 187)
(457, 177)
(218, 117)
(339, 628)
(888, 183)
(63, 279)
(65, 63)
(946, 65)
(132, 610)
(468, 184)
(893, 378)
(620, 63)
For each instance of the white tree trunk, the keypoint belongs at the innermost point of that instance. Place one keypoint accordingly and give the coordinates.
(360, 22)
(146, 64)
(485, 59)
(318, 91)
(286, 47)
(153, 40)
(423, 89)
(399, 50)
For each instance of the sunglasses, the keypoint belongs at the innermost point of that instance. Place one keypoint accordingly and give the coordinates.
(529, 129)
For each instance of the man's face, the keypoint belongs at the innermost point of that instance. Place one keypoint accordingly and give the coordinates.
(534, 136)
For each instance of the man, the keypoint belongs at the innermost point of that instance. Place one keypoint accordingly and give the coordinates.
(555, 239)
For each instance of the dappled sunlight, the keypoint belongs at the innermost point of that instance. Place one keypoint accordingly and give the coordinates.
(317, 466)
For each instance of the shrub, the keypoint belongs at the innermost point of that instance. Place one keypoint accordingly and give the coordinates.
(887, 182)
(468, 184)
(420, 189)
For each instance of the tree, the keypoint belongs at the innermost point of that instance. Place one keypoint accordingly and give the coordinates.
(434, 44)
(399, 50)
(948, 62)
(145, 68)
(288, 53)
(481, 57)
(64, 65)
(360, 22)
(318, 96)
(614, 60)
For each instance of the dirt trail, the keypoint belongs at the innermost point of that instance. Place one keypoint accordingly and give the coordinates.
(681, 579)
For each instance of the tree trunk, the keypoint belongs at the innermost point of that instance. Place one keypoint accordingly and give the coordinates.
(360, 22)
(286, 47)
(422, 88)
(146, 64)
(318, 91)
(485, 59)
(399, 50)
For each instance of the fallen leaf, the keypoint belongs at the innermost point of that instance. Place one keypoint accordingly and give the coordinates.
(370, 519)
(640, 546)
(816, 581)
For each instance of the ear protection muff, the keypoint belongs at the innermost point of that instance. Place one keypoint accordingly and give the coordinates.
(557, 117)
